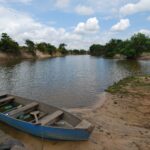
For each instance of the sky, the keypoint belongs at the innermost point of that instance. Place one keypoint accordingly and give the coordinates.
(78, 23)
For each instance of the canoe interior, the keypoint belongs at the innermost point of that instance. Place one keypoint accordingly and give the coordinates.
(27, 110)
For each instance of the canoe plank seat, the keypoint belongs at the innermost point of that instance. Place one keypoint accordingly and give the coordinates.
(84, 125)
(24, 108)
(6, 99)
(51, 118)
(3, 95)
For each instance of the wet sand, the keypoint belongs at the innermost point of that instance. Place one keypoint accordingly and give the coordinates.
(121, 119)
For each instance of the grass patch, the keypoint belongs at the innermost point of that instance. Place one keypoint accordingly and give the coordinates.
(119, 86)
(133, 82)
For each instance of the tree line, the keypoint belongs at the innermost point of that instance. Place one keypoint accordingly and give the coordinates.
(8, 45)
(131, 48)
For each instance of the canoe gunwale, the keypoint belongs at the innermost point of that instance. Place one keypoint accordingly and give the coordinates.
(34, 124)
(6, 119)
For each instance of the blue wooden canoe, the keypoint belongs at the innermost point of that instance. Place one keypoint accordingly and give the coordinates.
(42, 120)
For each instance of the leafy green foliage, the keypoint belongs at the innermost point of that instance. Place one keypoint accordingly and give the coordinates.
(62, 48)
(46, 48)
(97, 50)
(83, 52)
(7, 45)
(30, 45)
(132, 48)
(113, 47)
(77, 52)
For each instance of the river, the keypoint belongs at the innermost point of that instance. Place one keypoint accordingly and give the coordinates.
(68, 82)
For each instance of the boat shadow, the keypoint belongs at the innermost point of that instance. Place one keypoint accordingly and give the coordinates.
(36, 143)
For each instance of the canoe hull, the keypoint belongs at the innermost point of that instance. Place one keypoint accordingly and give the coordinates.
(49, 133)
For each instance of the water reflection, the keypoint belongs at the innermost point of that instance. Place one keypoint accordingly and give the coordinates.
(71, 81)
(132, 66)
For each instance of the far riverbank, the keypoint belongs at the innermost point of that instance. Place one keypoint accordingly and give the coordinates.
(27, 55)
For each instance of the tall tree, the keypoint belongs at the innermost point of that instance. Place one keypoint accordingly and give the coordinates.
(8, 45)
(46, 47)
(62, 48)
(113, 47)
(31, 46)
(134, 47)
(97, 50)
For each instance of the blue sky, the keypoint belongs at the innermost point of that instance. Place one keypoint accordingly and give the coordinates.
(78, 23)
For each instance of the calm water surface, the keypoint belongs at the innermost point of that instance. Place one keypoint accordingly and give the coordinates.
(72, 81)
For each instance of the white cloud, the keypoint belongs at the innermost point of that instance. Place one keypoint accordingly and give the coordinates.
(90, 26)
(87, 7)
(131, 8)
(145, 31)
(20, 26)
(104, 7)
(122, 25)
(84, 10)
(62, 3)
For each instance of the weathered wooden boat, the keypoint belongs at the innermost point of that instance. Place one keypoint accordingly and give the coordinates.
(42, 120)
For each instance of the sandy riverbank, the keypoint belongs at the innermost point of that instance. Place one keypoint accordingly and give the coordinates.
(27, 55)
(145, 56)
(121, 119)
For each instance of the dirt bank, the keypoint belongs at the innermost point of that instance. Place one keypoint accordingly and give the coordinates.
(27, 55)
(145, 56)
(121, 119)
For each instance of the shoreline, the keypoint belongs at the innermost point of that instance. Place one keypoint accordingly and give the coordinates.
(121, 119)
(98, 104)
(41, 55)
(145, 56)
(26, 55)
